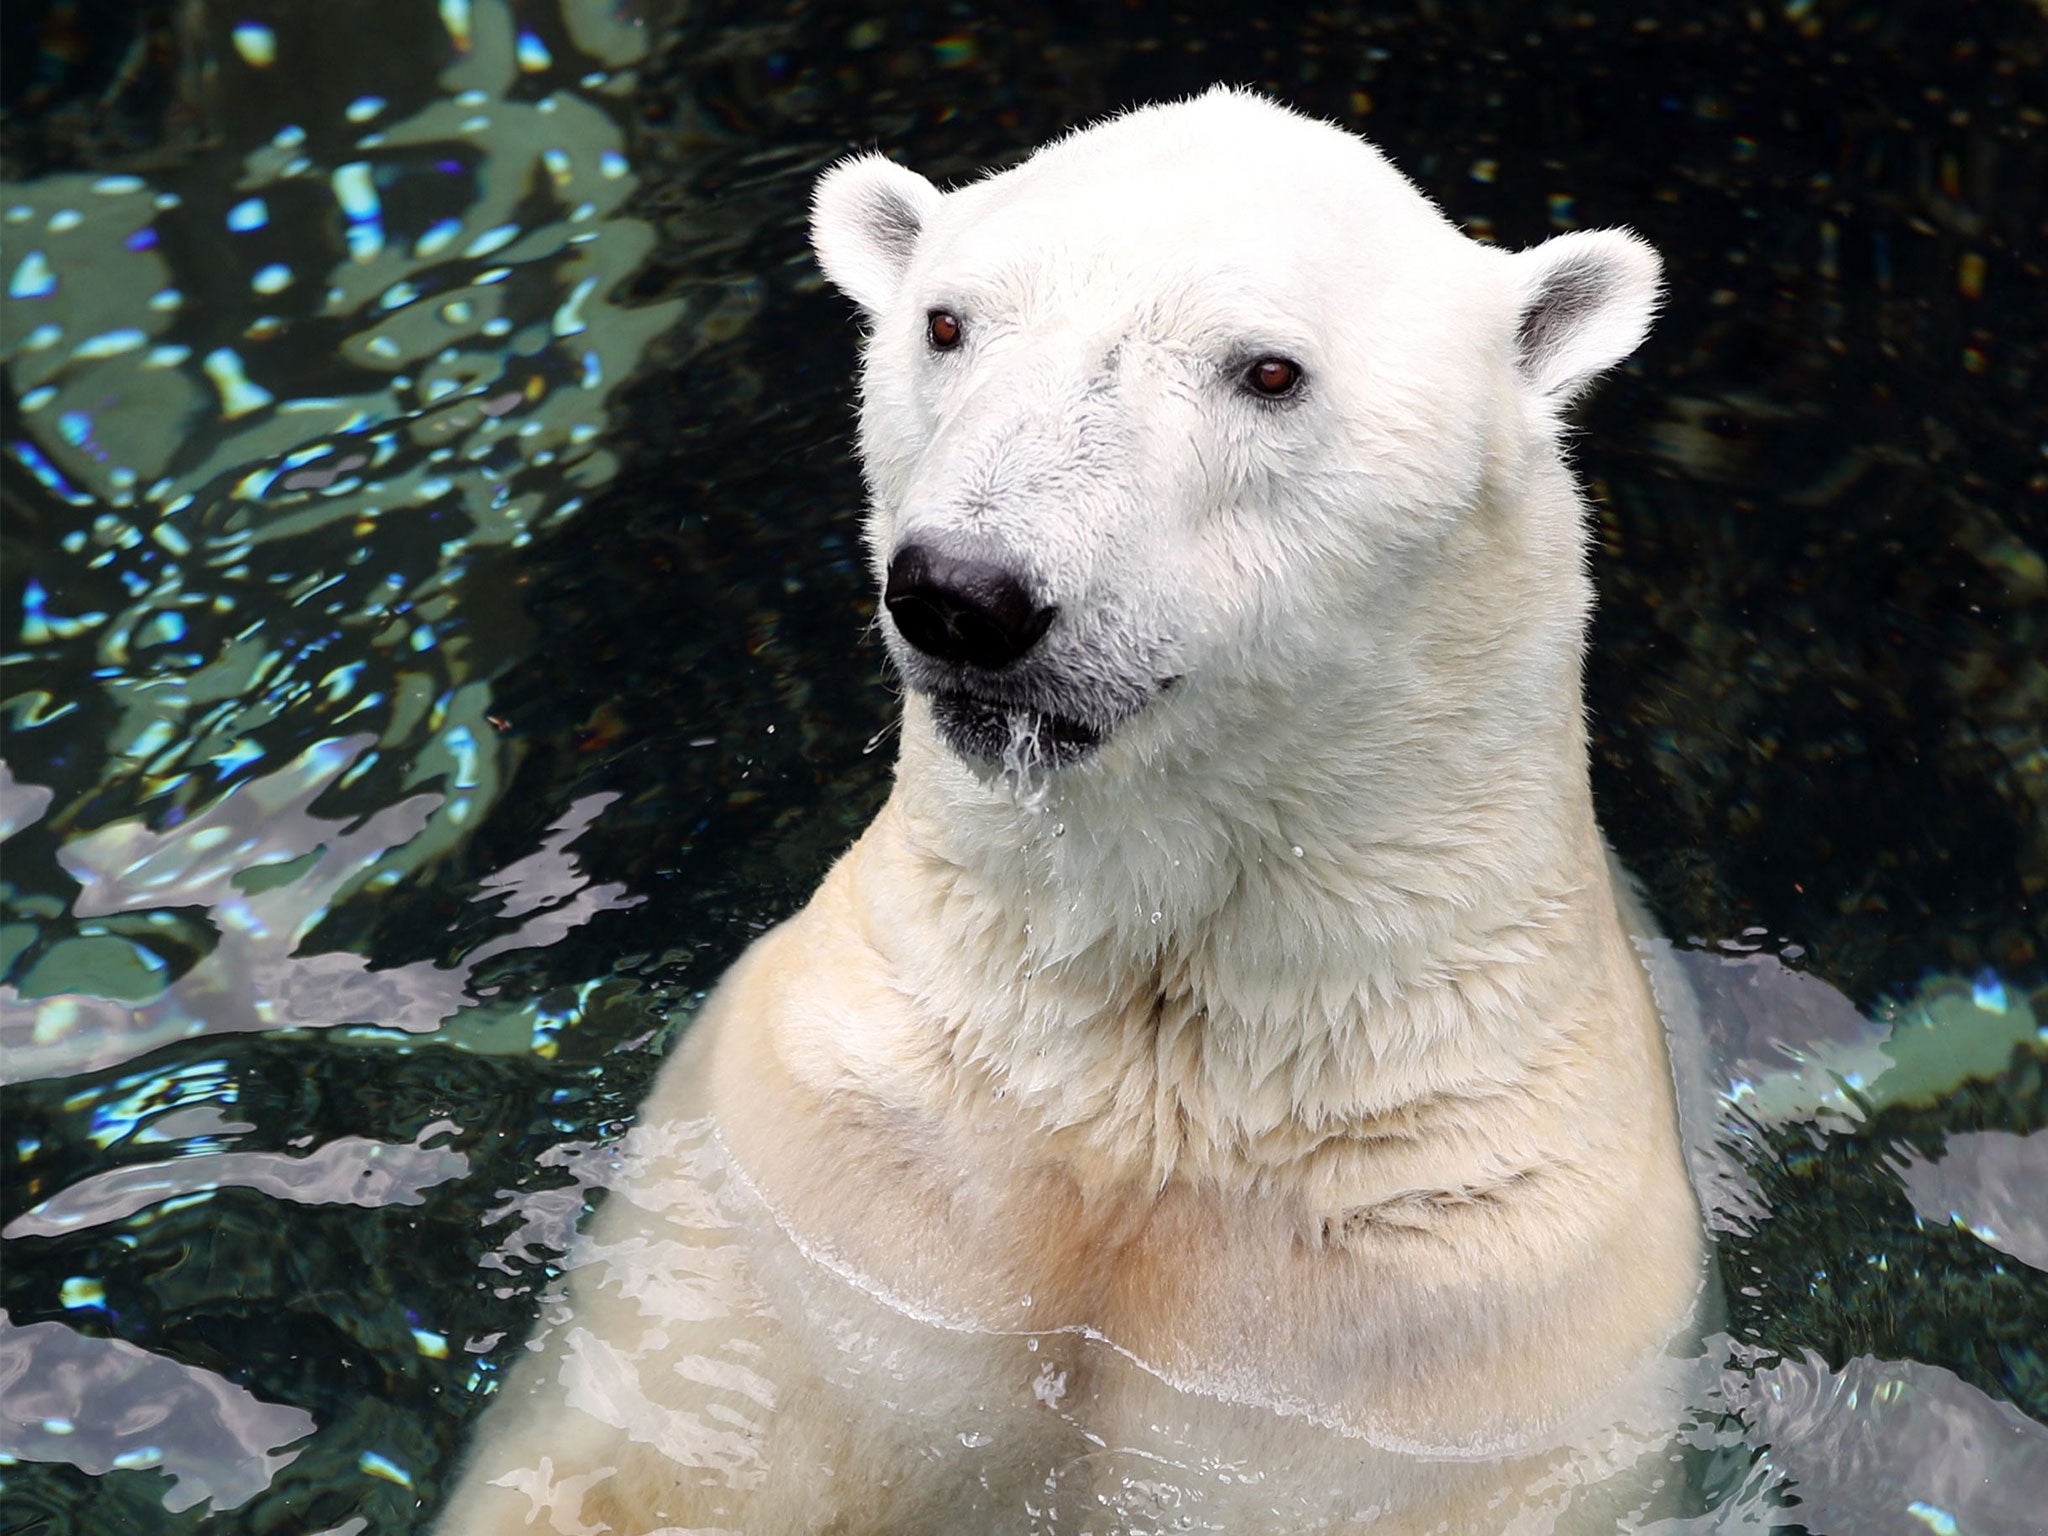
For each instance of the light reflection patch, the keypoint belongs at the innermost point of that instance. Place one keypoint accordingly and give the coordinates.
(267, 489)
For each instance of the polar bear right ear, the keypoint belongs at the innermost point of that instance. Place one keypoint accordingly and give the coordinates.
(865, 219)
(1587, 301)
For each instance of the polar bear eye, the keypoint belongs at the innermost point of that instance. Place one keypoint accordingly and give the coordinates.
(1273, 377)
(942, 329)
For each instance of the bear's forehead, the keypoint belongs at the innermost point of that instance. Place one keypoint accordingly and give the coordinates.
(1223, 182)
(1102, 251)
(1098, 238)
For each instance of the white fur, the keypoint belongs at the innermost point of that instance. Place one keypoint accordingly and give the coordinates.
(1316, 954)
(1605, 286)
(868, 210)
(1375, 599)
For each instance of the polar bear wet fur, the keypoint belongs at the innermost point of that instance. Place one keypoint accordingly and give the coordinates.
(1224, 1050)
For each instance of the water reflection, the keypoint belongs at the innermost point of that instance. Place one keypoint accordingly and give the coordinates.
(291, 389)
(100, 1404)
(278, 408)
(264, 869)
(1993, 1184)
(1897, 1448)
(350, 1170)
(313, 384)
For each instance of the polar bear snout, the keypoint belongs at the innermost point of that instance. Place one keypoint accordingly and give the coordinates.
(962, 611)
(972, 627)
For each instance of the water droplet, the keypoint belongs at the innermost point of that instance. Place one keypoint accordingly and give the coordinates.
(384, 1467)
(1298, 851)
(256, 43)
(251, 213)
(568, 320)
(533, 54)
(33, 278)
(110, 343)
(238, 396)
(363, 108)
(492, 240)
(356, 190)
(438, 237)
(455, 17)
(1988, 992)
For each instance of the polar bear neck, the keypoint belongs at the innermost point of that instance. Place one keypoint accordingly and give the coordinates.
(1239, 972)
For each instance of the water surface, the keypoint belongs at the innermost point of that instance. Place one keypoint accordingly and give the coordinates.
(434, 646)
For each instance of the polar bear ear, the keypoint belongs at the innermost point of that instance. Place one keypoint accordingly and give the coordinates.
(865, 219)
(1587, 300)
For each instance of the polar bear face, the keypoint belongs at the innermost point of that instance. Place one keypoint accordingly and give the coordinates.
(1190, 410)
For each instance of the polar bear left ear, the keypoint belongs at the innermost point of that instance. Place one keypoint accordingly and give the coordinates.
(865, 219)
(1587, 300)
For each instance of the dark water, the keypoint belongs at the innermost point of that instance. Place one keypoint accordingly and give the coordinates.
(434, 648)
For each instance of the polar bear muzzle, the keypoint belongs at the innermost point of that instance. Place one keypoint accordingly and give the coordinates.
(973, 625)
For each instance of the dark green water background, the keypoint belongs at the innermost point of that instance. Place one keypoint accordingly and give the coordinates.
(492, 475)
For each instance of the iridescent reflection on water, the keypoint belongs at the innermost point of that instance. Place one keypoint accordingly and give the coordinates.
(282, 401)
(297, 388)
(431, 655)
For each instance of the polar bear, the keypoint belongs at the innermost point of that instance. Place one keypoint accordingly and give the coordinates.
(1219, 1086)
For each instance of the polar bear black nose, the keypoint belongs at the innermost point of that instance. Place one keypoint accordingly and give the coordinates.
(962, 610)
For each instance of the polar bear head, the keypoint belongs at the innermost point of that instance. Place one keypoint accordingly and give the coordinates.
(1203, 434)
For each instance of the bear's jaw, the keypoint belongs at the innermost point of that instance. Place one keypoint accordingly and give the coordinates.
(998, 733)
(1027, 720)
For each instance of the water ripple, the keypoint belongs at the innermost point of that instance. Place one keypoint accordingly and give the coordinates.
(350, 1170)
(101, 1404)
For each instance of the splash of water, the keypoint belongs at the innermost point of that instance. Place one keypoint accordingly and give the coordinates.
(1026, 763)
